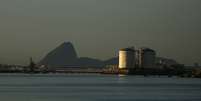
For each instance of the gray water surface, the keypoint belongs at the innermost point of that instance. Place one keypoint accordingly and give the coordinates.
(85, 87)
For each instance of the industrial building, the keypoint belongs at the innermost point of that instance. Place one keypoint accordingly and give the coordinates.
(146, 58)
(130, 58)
(127, 58)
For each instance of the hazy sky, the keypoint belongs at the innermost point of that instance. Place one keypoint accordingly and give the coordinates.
(98, 28)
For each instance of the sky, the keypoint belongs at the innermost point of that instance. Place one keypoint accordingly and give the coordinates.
(99, 28)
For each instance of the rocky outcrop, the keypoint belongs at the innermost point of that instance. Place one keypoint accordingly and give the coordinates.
(66, 56)
(63, 55)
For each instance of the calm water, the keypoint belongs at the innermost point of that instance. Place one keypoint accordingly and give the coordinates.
(82, 87)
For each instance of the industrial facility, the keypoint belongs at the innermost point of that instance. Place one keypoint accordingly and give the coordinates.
(127, 58)
(146, 58)
(142, 58)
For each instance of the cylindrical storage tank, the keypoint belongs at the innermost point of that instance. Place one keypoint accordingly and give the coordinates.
(147, 58)
(126, 58)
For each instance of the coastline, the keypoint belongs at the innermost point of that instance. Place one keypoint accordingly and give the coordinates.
(133, 72)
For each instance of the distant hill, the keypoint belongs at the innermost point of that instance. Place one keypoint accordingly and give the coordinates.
(112, 61)
(86, 62)
(65, 56)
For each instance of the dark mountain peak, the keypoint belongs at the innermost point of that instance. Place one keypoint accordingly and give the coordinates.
(66, 48)
(66, 44)
(63, 55)
(66, 56)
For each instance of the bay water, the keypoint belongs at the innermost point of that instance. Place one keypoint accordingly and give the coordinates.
(97, 87)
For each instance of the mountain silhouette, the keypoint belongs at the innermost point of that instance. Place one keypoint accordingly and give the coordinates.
(90, 62)
(63, 55)
(112, 61)
(66, 56)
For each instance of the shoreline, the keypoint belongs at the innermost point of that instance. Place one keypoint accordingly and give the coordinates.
(100, 73)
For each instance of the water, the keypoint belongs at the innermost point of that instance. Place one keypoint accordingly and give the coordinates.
(85, 87)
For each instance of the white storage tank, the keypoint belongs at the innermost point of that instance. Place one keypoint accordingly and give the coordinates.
(147, 58)
(126, 58)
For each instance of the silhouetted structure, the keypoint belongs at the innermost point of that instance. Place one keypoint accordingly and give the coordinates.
(32, 66)
(63, 55)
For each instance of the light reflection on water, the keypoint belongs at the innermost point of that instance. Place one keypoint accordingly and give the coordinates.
(85, 87)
